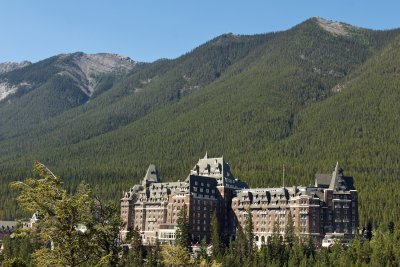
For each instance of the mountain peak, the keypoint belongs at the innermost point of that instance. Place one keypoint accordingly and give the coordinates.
(334, 27)
(87, 67)
(10, 66)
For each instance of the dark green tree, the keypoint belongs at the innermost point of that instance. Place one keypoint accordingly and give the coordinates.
(202, 255)
(289, 231)
(135, 254)
(73, 229)
(240, 250)
(107, 225)
(183, 231)
(275, 246)
(248, 230)
(63, 218)
(215, 236)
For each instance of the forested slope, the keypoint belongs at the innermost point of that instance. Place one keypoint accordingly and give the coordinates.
(302, 98)
(359, 127)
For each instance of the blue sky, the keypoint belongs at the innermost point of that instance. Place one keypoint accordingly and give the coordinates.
(148, 30)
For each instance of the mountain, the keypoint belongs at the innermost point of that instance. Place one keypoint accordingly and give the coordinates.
(6, 89)
(10, 66)
(84, 69)
(300, 97)
(52, 86)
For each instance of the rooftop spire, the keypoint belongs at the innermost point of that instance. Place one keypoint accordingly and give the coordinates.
(335, 177)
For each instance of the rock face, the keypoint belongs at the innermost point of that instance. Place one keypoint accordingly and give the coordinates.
(87, 67)
(6, 89)
(336, 28)
(10, 66)
(85, 70)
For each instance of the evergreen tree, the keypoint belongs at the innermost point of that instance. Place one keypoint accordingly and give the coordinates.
(129, 234)
(61, 218)
(202, 254)
(175, 256)
(275, 248)
(248, 229)
(73, 229)
(215, 236)
(135, 254)
(183, 232)
(289, 231)
(107, 225)
(240, 250)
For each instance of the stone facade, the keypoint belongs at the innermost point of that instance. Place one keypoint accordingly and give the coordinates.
(153, 206)
(330, 206)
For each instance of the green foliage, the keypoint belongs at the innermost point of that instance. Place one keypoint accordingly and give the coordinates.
(183, 238)
(60, 213)
(135, 255)
(13, 262)
(216, 236)
(261, 100)
(18, 249)
(73, 229)
(248, 230)
(289, 231)
(202, 255)
(175, 256)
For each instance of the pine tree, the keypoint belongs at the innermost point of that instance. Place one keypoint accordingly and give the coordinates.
(240, 250)
(176, 256)
(215, 236)
(202, 255)
(78, 229)
(135, 255)
(275, 245)
(248, 230)
(182, 232)
(61, 215)
(106, 231)
(289, 231)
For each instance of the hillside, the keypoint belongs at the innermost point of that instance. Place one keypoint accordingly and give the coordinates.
(10, 66)
(263, 101)
(359, 127)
